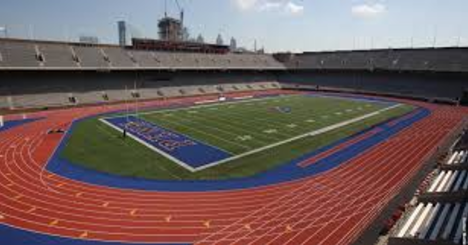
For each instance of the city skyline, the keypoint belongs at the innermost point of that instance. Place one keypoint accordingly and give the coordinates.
(278, 25)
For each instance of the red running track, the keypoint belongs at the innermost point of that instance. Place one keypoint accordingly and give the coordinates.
(331, 208)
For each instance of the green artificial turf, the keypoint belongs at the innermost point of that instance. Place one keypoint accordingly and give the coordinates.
(237, 128)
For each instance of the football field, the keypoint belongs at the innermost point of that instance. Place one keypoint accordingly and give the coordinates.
(223, 140)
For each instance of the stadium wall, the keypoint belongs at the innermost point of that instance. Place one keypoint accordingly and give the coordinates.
(33, 82)
(45, 89)
(446, 86)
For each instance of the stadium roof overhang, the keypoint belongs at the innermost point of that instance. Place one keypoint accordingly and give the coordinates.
(109, 69)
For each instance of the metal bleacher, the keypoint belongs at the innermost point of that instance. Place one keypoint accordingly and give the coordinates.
(435, 222)
(450, 181)
(458, 158)
(437, 215)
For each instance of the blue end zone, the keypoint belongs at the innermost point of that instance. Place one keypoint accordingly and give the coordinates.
(186, 150)
(13, 236)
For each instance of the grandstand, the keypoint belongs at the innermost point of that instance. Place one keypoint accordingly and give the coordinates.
(48, 55)
(436, 73)
(419, 59)
(419, 73)
(397, 171)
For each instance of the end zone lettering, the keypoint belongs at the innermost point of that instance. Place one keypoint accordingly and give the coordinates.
(154, 134)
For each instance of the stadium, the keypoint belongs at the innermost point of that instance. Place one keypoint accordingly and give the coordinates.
(179, 142)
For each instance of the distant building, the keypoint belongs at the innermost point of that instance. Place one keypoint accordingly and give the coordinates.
(152, 44)
(233, 44)
(89, 39)
(170, 29)
(200, 39)
(185, 34)
(122, 27)
(219, 40)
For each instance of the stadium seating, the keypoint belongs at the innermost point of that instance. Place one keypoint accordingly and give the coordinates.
(435, 221)
(119, 58)
(91, 57)
(18, 54)
(429, 59)
(40, 100)
(145, 59)
(118, 95)
(423, 85)
(4, 102)
(356, 71)
(57, 55)
(450, 181)
(436, 216)
(90, 97)
(458, 158)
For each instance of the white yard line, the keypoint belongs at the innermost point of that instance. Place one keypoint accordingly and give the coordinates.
(236, 125)
(150, 146)
(309, 134)
(206, 106)
(127, 145)
(210, 135)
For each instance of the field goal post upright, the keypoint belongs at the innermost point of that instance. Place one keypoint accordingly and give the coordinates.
(137, 95)
(221, 96)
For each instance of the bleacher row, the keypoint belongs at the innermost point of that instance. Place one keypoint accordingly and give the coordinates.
(21, 54)
(96, 97)
(428, 59)
(450, 181)
(439, 212)
(432, 221)
(458, 157)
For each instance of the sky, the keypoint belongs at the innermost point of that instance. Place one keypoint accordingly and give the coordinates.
(277, 25)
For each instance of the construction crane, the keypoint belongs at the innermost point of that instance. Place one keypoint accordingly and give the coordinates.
(181, 10)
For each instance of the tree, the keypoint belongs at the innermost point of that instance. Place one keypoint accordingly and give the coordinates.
(200, 39)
